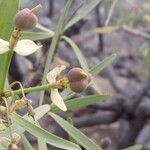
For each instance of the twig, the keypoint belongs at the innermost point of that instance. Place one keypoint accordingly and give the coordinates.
(136, 32)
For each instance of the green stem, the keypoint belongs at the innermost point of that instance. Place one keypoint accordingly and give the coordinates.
(5, 69)
(27, 90)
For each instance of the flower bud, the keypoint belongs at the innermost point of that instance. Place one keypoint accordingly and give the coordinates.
(19, 104)
(15, 138)
(78, 79)
(25, 19)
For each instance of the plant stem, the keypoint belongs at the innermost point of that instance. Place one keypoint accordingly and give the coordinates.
(27, 90)
(60, 84)
(16, 34)
(5, 69)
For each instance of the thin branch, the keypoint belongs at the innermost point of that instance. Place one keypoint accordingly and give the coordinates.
(137, 32)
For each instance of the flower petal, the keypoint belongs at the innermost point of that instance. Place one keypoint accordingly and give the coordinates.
(4, 46)
(57, 99)
(51, 76)
(26, 47)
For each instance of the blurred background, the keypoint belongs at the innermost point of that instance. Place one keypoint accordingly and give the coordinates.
(114, 26)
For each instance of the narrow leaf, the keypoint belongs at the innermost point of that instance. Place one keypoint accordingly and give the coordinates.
(26, 143)
(78, 53)
(41, 144)
(94, 83)
(39, 113)
(83, 11)
(67, 93)
(43, 134)
(103, 64)
(35, 36)
(75, 133)
(77, 103)
(82, 61)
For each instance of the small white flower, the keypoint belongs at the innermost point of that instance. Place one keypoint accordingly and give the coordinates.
(55, 96)
(23, 47)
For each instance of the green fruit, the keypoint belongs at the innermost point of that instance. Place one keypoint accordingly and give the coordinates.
(25, 19)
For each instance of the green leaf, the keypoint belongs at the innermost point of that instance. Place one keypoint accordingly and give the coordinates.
(96, 86)
(77, 103)
(82, 12)
(75, 133)
(35, 36)
(67, 93)
(26, 143)
(43, 134)
(103, 64)
(8, 9)
(78, 53)
(39, 113)
(54, 44)
(41, 144)
(82, 61)
(134, 147)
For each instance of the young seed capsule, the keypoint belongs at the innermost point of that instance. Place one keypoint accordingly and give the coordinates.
(78, 79)
(78, 86)
(76, 74)
(25, 19)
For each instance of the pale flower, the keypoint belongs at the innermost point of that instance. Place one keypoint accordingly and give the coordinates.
(23, 47)
(55, 96)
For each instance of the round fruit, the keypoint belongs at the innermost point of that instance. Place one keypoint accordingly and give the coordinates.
(78, 79)
(25, 19)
